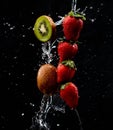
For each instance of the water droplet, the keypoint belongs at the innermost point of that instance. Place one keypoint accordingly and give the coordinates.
(15, 57)
(23, 25)
(98, 10)
(8, 88)
(13, 27)
(31, 44)
(93, 20)
(22, 114)
(101, 4)
(16, 84)
(9, 73)
(31, 104)
(29, 28)
(23, 35)
(32, 12)
(91, 7)
(58, 125)
(23, 74)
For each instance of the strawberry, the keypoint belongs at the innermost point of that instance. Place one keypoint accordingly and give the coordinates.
(69, 93)
(66, 50)
(65, 71)
(72, 26)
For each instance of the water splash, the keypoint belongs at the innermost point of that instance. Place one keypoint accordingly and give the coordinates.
(47, 51)
(74, 5)
(39, 121)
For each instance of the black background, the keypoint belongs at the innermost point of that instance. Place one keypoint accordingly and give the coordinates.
(20, 58)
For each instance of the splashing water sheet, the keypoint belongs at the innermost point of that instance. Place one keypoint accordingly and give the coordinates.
(52, 102)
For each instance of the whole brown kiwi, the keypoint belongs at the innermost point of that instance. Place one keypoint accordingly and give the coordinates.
(47, 79)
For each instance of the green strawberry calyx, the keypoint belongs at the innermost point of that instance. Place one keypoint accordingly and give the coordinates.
(77, 15)
(63, 86)
(69, 63)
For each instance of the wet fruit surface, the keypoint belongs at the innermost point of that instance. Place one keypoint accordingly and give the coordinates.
(47, 79)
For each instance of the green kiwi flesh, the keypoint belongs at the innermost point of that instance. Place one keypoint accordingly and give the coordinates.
(43, 29)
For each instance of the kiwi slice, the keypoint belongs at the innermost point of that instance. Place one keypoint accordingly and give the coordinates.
(44, 28)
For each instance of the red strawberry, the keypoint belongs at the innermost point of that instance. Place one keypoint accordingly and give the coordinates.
(65, 71)
(72, 26)
(69, 93)
(66, 50)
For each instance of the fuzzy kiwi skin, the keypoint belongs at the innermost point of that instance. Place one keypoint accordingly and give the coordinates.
(53, 27)
(47, 79)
